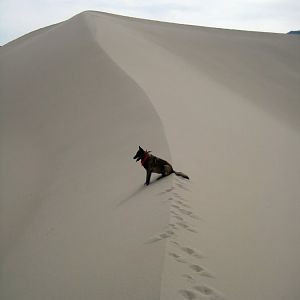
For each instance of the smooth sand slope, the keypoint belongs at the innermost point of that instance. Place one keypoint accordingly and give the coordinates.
(77, 98)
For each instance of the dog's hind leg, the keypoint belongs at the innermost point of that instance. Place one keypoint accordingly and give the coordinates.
(168, 170)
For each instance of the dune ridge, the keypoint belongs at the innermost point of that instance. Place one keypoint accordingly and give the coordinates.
(77, 98)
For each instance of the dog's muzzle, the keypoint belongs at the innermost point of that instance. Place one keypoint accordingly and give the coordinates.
(136, 158)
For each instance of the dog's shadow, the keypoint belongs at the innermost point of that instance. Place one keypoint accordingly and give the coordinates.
(140, 190)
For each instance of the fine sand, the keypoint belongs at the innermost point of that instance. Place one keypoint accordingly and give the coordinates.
(76, 222)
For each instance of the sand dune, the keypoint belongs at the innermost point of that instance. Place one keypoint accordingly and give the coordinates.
(76, 222)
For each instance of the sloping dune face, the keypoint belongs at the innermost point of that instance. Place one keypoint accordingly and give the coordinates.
(77, 98)
(75, 220)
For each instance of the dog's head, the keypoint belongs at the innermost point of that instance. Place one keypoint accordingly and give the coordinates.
(140, 154)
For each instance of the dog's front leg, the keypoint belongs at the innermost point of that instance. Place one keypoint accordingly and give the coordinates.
(148, 176)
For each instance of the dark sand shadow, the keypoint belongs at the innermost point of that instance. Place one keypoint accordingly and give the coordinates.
(140, 189)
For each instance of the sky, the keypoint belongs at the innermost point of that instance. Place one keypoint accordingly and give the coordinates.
(18, 17)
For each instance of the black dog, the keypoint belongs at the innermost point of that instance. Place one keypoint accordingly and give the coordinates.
(155, 164)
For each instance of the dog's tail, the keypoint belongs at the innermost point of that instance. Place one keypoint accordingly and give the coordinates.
(181, 174)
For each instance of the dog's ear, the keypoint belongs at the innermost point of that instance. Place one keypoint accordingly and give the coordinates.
(140, 148)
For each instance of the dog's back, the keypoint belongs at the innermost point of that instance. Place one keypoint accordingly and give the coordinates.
(158, 165)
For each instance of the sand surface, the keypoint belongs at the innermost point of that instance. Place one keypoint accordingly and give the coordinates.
(76, 222)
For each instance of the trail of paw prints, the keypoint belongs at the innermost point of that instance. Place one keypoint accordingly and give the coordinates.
(179, 209)
(183, 219)
(189, 256)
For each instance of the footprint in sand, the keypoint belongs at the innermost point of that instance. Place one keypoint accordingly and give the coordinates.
(182, 225)
(180, 202)
(192, 230)
(178, 196)
(207, 274)
(175, 206)
(204, 290)
(177, 257)
(167, 191)
(167, 234)
(191, 252)
(209, 292)
(200, 292)
(173, 226)
(186, 226)
(181, 260)
(181, 222)
(187, 294)
(173, 212)
(161, 236)
(175, 243)
(189, 278)
(178, 218)
(174, 255)
(201, 271)
(197, 268)
(186, 212)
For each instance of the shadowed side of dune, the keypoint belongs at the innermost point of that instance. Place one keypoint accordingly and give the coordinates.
(71, 121)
